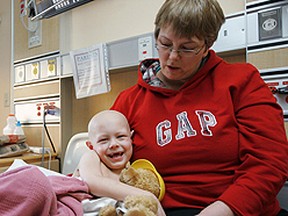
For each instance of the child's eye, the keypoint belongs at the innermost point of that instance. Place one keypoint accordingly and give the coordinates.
(102, 141)
(121, 136)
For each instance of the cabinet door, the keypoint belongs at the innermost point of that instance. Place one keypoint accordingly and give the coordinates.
(231, 35)
(269, 59)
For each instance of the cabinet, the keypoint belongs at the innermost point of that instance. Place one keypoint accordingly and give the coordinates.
(267, 38)
(267, 45)
(270, 58)
(232, 35)
(46, 87)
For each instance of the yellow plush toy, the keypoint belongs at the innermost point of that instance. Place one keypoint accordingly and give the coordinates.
(141, 174)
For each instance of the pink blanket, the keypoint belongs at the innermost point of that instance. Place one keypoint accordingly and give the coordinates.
(27, 191)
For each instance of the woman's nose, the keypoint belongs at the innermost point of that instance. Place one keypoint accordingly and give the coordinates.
(174, 54)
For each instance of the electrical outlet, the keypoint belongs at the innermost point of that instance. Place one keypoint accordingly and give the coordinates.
(144, 48)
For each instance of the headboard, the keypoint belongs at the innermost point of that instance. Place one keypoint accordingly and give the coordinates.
(75, 149)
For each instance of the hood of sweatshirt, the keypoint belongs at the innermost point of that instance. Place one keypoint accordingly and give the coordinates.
(148, 69)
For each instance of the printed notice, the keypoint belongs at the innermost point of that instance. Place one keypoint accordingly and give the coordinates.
(90, 71)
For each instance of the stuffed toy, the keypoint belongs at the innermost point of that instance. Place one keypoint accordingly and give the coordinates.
(141, 174)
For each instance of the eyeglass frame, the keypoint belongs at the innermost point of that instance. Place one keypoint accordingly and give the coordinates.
(180, 52)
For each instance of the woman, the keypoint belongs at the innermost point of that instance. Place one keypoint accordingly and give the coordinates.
(212, 129)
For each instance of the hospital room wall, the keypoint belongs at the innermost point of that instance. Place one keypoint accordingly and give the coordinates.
(96, 22)
(103, 21)
(111, 23)
(5, 61)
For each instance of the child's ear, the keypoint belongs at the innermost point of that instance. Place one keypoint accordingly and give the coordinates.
(89, 145)
(132, 133)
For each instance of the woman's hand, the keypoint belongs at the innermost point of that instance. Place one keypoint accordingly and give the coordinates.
(217, 208)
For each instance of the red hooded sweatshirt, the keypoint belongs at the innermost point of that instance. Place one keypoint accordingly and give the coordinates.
(220, 136)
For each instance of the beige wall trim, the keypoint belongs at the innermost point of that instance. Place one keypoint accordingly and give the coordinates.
(38, 90)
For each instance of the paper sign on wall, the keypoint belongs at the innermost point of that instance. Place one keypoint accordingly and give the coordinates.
(90, 71)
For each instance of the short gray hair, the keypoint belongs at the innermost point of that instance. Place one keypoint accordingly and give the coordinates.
(188, 18)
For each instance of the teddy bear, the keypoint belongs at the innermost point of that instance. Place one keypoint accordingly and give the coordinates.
(133, 206)
(141, 174)
(141, 178)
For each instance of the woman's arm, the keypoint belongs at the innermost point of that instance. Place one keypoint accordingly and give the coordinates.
(263, 147)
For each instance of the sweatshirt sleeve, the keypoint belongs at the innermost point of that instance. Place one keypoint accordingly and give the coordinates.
(263, 149)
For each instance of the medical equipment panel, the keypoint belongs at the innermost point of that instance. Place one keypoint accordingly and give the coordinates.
(277, 81)
(32, 111)
(267, 23)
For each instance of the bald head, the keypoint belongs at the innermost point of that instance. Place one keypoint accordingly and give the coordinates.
(106, 118)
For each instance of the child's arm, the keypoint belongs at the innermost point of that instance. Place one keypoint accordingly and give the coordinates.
(100, 185)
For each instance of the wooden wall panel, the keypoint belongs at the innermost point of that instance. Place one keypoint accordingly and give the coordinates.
(286, 127)
(273, 58)
(33, 135)
(37, 90)
(84, 109)
(234, 56)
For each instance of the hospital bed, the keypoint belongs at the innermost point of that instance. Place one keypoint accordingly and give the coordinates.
(75, 149)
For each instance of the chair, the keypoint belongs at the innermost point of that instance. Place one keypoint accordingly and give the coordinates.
(75, 149)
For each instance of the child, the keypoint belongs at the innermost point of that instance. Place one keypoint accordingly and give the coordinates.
(110, 141)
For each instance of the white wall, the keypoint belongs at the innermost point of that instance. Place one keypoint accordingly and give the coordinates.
(106, 21)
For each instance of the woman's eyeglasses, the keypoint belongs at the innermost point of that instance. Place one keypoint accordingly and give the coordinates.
(182, 52)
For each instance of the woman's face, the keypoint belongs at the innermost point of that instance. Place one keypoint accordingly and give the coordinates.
(178, 65)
